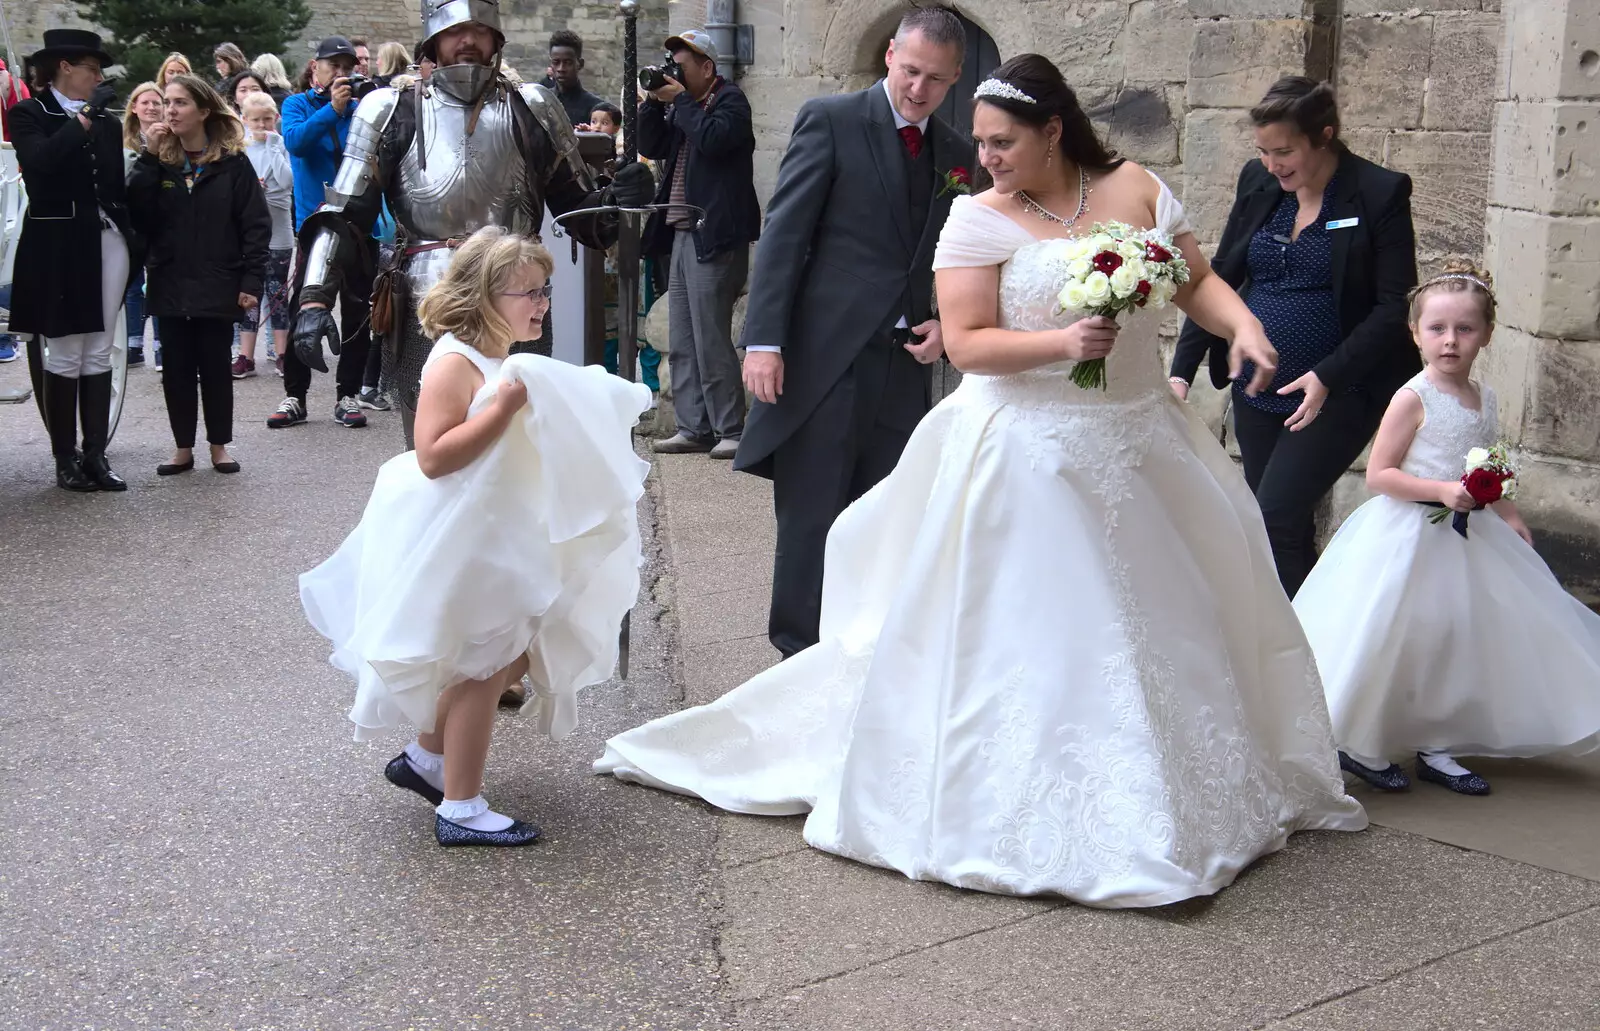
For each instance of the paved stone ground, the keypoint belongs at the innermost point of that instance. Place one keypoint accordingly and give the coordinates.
(190, 839)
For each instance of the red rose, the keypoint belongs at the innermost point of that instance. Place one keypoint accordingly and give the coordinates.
(961, 175)
(1485, 485)
(1143, 288)
(1107, 262)
(1156, 252)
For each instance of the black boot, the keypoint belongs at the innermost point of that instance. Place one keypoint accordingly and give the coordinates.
(94, 408)
(61, 415)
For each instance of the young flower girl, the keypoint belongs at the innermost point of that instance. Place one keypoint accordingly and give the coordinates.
(1430, 639)
(506, 544)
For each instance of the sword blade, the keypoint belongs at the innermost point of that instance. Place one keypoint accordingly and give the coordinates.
(623, 643)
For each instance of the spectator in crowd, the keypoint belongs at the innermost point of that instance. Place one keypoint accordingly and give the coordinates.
(244, 84)
(273, 74)
(145, 107)
(13, 91)
(195, 198)
(1321, 245)
(393, 59)
(566, 62)
(308, 76)
(73, 258)
(316, 124)
(363, 56)
(270, 158)
(700, 128)
(230, 61)
(173, 64)
(606, 118)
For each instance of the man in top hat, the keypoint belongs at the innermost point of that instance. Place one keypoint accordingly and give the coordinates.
(451, 154)
(73, 258)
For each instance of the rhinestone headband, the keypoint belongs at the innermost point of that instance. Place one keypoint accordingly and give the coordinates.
(1461, 275)
(1001, 89)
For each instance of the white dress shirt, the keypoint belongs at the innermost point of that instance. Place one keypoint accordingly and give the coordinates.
(899, 123)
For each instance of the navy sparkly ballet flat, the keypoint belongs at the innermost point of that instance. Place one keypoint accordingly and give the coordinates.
(401, 775)
(1391, 779)
(1461, 783)
(452, 834)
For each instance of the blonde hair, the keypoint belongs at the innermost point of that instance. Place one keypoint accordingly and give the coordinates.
(1459, 276)
(252, 100)
(393, 58)
(162, 78)
(272, 71)
(224, 131)
(463, 301)
(132, 135)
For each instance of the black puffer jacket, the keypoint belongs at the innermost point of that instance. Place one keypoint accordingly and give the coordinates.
(207, 244)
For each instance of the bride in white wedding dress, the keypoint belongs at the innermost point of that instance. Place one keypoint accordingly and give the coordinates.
(1055, 656)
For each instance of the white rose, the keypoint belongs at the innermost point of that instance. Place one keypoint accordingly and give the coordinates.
(1161, 292)
(1130, 248)
(1477, 458)
(1508, 489)
(1101, 242)
(1123, 281)
(1078, 250)
(1073, 297)
(1079, 268)
(1097, 289)
(1140, 269)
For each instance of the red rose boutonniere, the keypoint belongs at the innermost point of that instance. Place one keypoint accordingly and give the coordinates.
(957, 180)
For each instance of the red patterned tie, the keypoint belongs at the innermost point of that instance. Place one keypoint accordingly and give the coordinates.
(913, 139)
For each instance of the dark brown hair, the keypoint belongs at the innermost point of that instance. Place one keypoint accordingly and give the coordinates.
(231, 53)
(1308, 105)
(1052, 98)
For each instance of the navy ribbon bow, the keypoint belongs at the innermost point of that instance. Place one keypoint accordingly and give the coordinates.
(1458, 523)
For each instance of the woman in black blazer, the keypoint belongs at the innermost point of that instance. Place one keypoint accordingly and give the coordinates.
(73, 257)
(1321, 246)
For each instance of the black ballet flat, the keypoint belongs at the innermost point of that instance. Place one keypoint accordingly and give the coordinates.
(400, 773)
(174, 468)
(451, 834)
(1462, 784)
(225, 467)
(1392, 778)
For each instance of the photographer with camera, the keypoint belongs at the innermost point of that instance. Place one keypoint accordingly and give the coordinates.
(699, 126)
(316, 125)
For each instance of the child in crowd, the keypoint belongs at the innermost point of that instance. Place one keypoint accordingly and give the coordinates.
(270, 157)
(506, 544)
(1437, 640)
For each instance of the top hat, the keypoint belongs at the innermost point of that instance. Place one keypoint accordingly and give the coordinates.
(69, 45)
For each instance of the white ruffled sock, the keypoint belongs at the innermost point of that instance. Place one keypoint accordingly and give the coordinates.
(1444, 763)
(428, 765)
(475, 814)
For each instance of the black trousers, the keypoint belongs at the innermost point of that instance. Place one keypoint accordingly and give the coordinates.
(355, 331)
(1290, 472)
(852, 440)
(188, 346)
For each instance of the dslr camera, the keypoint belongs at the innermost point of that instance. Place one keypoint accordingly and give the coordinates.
(360, 86)
(653, 77)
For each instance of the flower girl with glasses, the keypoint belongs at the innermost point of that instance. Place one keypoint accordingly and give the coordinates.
(506, 544)
(1433, 639)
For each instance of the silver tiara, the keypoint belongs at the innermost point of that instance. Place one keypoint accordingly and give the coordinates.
(1469, 277)
(1002, 89)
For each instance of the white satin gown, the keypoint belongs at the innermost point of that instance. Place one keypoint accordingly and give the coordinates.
(532, 548)
(1055, 656)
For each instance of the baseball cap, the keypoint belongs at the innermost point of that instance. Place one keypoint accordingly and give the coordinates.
(335, 46)
(695, 39)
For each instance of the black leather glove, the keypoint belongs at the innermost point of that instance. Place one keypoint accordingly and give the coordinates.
(103, 97)
(633, 187)
(311, 327)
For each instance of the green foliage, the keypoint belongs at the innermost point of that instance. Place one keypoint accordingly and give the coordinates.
(142, 32)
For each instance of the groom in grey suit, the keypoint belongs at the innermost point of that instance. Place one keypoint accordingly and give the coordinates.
(840, 331)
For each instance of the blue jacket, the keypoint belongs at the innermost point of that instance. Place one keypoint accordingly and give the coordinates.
(315, 136)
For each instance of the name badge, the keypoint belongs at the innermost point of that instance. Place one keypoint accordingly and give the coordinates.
(1342, 223)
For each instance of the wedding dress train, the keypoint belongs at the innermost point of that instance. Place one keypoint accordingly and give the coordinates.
(1055, 656)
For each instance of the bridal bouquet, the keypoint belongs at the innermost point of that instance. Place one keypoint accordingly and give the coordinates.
(1115, 269)
(1489, 477)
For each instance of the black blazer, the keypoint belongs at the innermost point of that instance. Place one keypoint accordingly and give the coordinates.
(1374, 267)
(840, 260)
(71, 174)
(722, 177)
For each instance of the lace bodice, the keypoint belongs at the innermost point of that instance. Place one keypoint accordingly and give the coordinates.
(1449, 430)
(490, 367)
(1031, 274)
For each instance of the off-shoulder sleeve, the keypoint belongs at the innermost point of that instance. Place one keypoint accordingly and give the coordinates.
(1170, 217)
(975, 236)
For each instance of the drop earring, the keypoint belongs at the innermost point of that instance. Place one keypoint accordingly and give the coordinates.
(1049, 153)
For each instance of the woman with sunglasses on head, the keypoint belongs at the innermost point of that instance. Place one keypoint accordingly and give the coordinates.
(73, 257)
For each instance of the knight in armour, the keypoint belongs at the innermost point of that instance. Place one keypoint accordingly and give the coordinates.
(450, 155)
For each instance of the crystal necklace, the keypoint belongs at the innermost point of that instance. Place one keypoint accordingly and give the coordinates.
(1045, 215)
